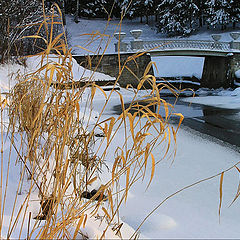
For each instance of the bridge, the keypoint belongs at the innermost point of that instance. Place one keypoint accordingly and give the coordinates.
(204, 47)
(221, 59)
(187, 47)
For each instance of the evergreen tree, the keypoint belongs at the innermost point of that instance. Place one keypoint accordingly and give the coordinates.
(155, 4)
(201, 11)
(96, 8)
(70, 6)
(92, 8)
(149, 9)
(137, 9)
(61, 4)
(235, 12)
(119, 7)
(218, 13)
(142, 8)
(177, 17)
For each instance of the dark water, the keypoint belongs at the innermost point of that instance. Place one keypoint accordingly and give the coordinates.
(223, 124)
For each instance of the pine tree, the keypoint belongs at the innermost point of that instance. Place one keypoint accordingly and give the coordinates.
(235, 12)
(101, 8)
(201, 11)
(70, 6)
(142, 8)
(93, 8)
(177, 17)
(218, 13)
(149, 9)
(116, 8)
(138, 9)
(154, 9)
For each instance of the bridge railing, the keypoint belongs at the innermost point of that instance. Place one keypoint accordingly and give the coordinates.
(185, 44)
(165, 45)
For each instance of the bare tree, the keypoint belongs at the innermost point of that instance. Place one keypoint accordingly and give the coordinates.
(18, 18)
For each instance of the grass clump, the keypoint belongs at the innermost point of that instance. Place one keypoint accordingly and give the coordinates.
(52, 135)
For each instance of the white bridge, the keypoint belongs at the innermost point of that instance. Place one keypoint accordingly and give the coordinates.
(178, 47)
(186, 44)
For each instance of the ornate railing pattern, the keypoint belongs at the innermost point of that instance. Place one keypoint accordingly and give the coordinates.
(199, 45)
(186, 44)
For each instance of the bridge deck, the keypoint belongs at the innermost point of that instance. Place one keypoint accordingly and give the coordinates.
(189, 52)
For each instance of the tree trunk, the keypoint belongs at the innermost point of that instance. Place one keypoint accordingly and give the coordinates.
(200, 21)
(234, 24)
(76, 13)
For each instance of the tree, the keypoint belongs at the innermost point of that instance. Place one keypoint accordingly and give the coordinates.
(141, 8)
(235, 12)
(61, 4)
(177, 17)
(16, 18)
(149, 10)
(21, 18)
(218, 13)
(155, 4)
(201, 11)
(92, 8)
(96, 8)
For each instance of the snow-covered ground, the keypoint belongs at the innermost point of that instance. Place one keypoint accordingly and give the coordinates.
(9, 72)
(97, 34)
(192, 213)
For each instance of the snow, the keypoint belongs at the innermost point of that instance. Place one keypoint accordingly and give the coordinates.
(79, 73)
(94, 230)
(194, 212)
(191, 214)
(229, 99)
(177, 66)
(237, 74)
(179, 81)
(104, 31)
(9, 72)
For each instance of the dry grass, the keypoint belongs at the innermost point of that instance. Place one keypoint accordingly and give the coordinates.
(56, 147)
